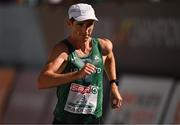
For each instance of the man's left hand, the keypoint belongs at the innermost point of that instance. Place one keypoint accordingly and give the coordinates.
(116, 99)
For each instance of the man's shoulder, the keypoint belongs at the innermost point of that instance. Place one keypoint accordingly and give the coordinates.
(104, 42)
(103, 39)
(106, 45)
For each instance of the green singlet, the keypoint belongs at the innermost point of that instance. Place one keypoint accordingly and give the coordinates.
(82, 97)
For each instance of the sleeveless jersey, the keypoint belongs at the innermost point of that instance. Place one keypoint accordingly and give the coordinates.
(82, 96)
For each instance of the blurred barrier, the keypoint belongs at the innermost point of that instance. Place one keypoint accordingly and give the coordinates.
(173, 114)
(28, 104)
(145, 100)
(7, 76)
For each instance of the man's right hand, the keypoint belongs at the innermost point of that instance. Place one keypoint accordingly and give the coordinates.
(88, 69)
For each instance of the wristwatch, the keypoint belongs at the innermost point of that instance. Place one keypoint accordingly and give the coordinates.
(114, 81)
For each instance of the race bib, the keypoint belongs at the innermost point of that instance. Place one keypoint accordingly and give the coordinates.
(82, 99)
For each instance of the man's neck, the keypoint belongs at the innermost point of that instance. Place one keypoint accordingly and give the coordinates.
(80, 44)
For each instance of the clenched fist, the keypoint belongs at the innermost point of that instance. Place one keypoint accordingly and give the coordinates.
(88, 69)
(116, 99)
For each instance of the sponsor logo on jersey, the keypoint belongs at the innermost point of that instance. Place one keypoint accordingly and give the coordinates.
(83, 89)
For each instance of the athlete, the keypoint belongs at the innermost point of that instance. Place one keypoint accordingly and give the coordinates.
(75, 66)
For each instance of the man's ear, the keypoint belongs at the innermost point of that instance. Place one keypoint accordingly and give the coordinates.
(69, 23)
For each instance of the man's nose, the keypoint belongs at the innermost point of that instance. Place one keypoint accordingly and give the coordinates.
(85, 28)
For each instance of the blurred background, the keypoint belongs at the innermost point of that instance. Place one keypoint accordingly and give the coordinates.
(146, 38)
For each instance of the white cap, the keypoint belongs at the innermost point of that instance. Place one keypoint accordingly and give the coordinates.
(81, 12)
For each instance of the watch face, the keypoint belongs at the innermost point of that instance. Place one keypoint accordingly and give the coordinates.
(116, 81)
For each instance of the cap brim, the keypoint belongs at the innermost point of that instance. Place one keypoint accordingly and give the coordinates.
(83, 18)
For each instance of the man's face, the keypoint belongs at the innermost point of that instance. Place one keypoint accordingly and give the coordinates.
(82, 29)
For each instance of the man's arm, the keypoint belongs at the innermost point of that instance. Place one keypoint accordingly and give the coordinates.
(51, 74)
(110, 68)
